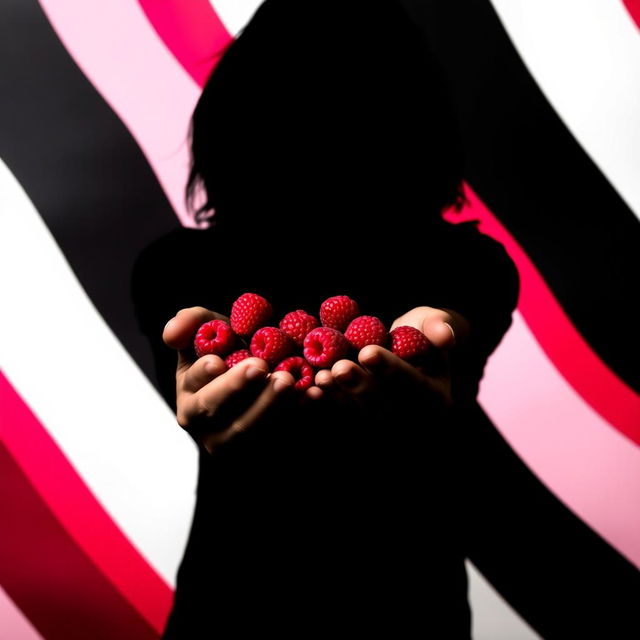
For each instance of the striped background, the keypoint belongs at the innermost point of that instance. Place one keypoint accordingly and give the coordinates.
(96, 98)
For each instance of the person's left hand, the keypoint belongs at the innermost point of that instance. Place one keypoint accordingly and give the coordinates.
(383, 382)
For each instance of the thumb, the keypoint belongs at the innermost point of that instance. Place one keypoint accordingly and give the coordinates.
(446, 329)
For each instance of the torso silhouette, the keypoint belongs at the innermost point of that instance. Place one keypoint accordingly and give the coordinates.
(330, 520)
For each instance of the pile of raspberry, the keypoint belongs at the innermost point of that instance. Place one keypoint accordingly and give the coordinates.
(300, 343)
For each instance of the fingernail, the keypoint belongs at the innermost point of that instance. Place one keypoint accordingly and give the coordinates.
(453, 333)
(253, 373)
(167, 325)
(280, 385)
(373, 360)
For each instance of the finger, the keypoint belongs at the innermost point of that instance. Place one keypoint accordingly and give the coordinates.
(313, 393)
(324, 379)
(351, 378)
(280, 383)
(201, 372)
(327, 386)
(381, 362)
(179, 331)
(401, 377)
(225, 396)
(445, 328)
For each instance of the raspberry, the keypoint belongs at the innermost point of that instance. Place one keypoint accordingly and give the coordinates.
(366, 330)
(237, 356)
(271, 344)
(300, 369)
(408, 343)
(338, 312)
(250, 312)
(323, 346)
(216, 337)
(297, 324)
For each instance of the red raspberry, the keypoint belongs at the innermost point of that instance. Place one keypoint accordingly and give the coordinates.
(300, 369)
(271, 344)
(366, 330)
(237, 356)
(323, 346)
(250, 312)
(216, 337)
(338, 312)
(408, 343)
(297, 324)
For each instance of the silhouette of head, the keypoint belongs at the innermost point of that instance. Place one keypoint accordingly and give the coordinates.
(326, 105)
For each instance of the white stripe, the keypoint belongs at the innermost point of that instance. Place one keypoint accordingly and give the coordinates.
(82, 384)
(234, 14)
(491, 617)
(585, 56)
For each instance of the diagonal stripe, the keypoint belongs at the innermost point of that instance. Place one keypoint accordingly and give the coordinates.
(78, 512)
(235, 13)
(492, 618)
(590, 466)
(54, 584)
(87, 177)
(119, 52)
(96, 404)
(570, 353)
(551, 567)
(14, 625)
(193, 33)
(535, 178)
(633, 7)
(591, 77)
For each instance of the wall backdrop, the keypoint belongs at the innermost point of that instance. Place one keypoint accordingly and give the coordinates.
(94, 108)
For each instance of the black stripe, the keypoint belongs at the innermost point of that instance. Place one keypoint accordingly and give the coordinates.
(548, 564)
(525, 164)
(80, 167)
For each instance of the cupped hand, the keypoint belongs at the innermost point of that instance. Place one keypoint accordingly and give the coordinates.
(216, 405)
(381, 381)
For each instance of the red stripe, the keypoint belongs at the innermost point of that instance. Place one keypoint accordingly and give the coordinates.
(607, 394)
(633, 7)
(87, 525)
(192, 31)
(47, 576)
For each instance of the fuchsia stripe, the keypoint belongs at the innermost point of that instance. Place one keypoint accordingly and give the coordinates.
(571, 354)
(633, 7)
(193, 33)
(87, 525)
(48, 577)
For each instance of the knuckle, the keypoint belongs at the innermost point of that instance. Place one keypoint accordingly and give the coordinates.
(203, 408)
(237, 427)
(183, 419)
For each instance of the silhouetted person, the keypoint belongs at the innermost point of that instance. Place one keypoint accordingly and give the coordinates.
(326, 147)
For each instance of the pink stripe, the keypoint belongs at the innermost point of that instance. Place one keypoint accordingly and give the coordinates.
(192, 31)
(120, 53)
(560, 340)
(14, 624)
(633, 7)
(79, 512)
(592, 468)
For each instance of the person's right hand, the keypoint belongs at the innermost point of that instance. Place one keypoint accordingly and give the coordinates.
(215, 405)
